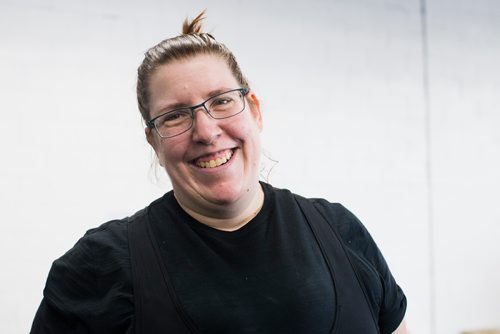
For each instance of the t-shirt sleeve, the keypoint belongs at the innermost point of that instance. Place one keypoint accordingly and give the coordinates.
(89, 289)
(387, 299)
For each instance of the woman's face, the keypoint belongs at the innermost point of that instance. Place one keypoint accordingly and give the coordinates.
(185, 157)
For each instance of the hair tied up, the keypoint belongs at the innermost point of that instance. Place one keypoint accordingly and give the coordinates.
(192, 42)
(193, 27)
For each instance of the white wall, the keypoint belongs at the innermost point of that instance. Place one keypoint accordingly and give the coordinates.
(465, 104)
(345, 114)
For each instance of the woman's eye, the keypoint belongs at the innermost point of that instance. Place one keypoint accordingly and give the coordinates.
(221, 102)
(176, 116)
(172, 117)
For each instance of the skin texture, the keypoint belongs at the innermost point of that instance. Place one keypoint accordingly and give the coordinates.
(224, 197)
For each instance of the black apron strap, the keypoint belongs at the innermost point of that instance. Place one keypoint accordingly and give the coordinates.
(155, 311)
(353, 315)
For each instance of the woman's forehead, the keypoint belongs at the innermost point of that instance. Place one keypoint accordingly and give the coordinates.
(188, 81)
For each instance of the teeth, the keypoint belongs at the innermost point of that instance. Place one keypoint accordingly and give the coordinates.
(216, 162)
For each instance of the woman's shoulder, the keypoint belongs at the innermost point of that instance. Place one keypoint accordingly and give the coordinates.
(112, 234)
(91, 284)
(344, 221)
(110, 239)
(353, 234)
(97, 261)
(349, 227)
(107, 241)
(385, 296)
(104, 247)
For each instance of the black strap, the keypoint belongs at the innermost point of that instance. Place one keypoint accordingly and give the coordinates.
(155, 311)
(354, 315)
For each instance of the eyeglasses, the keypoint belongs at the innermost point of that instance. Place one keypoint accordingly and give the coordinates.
(220, 106)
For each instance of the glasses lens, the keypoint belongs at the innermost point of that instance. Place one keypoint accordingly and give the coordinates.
(174, 122)
(226, 104)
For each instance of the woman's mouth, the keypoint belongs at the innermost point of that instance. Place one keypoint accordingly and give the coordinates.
(214, 160)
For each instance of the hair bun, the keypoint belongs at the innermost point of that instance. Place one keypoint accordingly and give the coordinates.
(193, 27)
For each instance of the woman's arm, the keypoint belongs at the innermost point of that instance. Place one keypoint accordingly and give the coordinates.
(401, 329)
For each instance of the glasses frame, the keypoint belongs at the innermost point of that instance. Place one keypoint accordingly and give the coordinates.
(151, 123)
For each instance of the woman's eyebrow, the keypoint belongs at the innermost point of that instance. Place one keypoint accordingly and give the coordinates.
(174, 106)
(178, 105)
(217, 91)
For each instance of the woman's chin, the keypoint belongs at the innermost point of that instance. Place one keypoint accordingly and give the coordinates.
(225, 194)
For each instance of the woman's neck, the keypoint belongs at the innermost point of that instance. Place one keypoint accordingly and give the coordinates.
(231, 218)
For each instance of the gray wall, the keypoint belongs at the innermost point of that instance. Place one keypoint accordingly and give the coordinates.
(361, 105)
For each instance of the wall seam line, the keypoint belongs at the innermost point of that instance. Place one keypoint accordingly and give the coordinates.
(428, 163)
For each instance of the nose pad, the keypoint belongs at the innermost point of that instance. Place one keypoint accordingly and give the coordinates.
(205, 128)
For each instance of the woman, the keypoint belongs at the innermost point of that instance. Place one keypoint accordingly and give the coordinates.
(222, 252)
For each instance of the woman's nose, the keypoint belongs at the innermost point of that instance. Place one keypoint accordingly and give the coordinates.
(205, 128)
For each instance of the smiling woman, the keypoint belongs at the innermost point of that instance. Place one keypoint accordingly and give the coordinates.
(221, 252)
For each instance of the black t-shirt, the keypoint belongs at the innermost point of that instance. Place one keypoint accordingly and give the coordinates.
(267, 277)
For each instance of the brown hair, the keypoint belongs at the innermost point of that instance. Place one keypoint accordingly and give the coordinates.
(192, 42)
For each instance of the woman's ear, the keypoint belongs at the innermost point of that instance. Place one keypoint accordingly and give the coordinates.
(254, 105)
(152, 140)
(150, 137)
